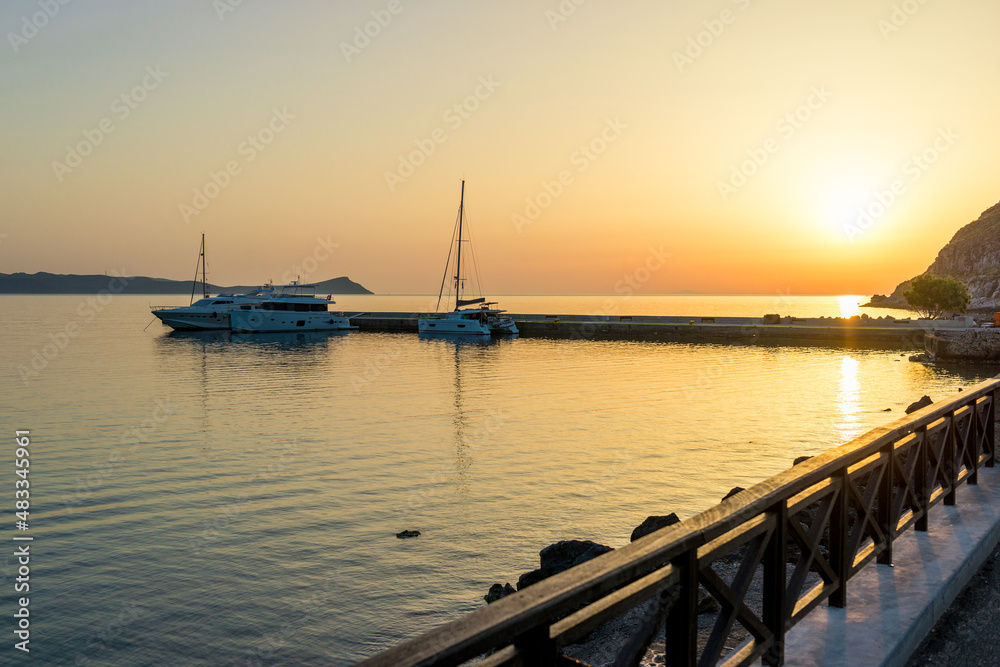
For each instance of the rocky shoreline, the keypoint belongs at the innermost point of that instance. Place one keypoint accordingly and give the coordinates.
(602, 646)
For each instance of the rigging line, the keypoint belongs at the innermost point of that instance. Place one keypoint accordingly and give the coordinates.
(201, 254)
(447, 265)
(475, 262)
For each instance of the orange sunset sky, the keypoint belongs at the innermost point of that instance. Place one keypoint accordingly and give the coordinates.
(742, 137)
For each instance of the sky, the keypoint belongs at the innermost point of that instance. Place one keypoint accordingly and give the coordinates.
(729, 146)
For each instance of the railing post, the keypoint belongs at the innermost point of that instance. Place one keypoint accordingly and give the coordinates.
(949, 456)
(920, 483)
(975, 435)
(775, 615)
(840, 561)
(883, 515)
(682, 622)
(991, 444)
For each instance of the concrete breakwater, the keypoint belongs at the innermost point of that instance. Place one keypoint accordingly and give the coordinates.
(851, 332)
(966, 345)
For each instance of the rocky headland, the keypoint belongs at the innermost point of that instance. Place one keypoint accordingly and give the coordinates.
(972, 256)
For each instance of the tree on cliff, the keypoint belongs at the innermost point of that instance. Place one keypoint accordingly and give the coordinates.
(933, 297)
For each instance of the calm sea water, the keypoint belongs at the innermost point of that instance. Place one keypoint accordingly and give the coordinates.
(233, 500)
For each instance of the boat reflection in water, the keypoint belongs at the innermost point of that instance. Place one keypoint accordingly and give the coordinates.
(460, 339)
(223, 338)
(476, 430)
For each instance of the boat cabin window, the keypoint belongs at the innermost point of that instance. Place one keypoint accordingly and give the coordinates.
(296, 307)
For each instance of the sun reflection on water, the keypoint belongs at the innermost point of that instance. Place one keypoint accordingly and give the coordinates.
(849, 399)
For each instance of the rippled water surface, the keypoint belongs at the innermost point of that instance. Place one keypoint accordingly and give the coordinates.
(216, 499)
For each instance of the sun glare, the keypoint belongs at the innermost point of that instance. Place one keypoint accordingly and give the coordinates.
(841, 202)
(849, 305)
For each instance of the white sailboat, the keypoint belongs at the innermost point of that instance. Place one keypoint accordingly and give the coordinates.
(482, 320)
(209, 313)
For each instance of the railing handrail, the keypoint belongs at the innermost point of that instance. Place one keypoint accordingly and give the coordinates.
(540, 605)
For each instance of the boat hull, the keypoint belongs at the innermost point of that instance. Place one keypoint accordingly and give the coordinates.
(504, 329)
(181, 321)
(257, 321)
(445, 325)
(469, 323)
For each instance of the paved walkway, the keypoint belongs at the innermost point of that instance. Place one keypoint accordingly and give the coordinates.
(969, 632)
(892, 609)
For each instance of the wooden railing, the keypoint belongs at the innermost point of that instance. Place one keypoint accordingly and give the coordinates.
(829, 517)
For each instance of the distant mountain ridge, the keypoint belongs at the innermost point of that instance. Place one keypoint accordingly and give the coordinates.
(972, 256)
(57, 283)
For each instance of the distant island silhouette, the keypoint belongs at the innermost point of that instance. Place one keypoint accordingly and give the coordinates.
(57, 283)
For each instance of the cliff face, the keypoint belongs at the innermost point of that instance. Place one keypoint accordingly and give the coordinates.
(972, 256)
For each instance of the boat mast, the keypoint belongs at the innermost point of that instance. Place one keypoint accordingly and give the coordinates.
(204, 281)
(458, 265)
(201, 260)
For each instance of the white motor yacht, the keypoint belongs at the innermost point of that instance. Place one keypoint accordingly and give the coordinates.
(295, 308)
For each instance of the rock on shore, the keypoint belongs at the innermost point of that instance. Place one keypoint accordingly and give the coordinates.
(653, 524)
(559, 557)
(916, 405)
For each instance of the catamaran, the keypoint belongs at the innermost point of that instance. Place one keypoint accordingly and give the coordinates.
(482, 320)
